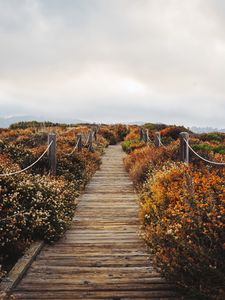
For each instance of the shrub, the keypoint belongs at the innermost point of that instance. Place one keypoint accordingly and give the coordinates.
(155, 127)
(131, 145)
(208, 147)
(121, 131)
(108, 135)
(214, 136)
(29, 124)
(126, 146)
(173, 132)
(182, 211)
(183, 217)
(25, 157)
(43, 208)
(141, 161)
(134, 134)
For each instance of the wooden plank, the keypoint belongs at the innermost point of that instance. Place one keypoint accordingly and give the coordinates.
(20, 268)
(116, 295)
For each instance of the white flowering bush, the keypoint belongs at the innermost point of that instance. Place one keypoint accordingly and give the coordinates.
(33, 207)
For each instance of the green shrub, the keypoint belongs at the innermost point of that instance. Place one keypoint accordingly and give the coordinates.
(130, 146)
(154, 126)
(208, 147)
(214, 136)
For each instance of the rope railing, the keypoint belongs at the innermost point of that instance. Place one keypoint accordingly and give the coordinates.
(75, 147)
(86, 142)
(144, 136)
(30, 166)
(160, 141)
(148, 140)
(51, 149)
(184, 146)
(204, 159)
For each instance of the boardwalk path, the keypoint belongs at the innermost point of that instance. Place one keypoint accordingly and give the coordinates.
(101, 256)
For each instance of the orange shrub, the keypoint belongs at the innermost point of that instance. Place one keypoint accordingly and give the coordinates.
(183, 211)
(172, 133)
(141, 161)
(133, 134)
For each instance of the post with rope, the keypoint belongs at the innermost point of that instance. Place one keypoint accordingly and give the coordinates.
(94, 134)
(141, 134)
(52, 153)
(90, 140)
(145, 139)
(184, 149)
(79, 141)
(147, 136)
(157, 139)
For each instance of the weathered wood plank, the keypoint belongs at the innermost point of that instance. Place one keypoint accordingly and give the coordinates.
(17, 272)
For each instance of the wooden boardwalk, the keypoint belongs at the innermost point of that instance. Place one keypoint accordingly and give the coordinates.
(102, 255)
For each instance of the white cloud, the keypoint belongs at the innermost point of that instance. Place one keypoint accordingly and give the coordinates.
(152, 60)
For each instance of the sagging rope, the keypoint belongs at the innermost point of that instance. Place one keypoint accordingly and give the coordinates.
(160, 142)
(87, 141)
(204, 159)
(30, 166)
(75, 147)
(89, 136)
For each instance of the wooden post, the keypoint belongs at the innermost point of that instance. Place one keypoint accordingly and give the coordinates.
(184, 150)
(79, 141)
(89, 143)
(141, 134)
(147, 135)
(94, 134)
(157, 139)
(145, 139)
(52, 153)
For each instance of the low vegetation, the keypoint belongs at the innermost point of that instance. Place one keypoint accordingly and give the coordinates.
(33, 204)
(182, 210)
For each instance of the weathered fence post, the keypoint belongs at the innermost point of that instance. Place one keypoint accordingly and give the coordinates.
(147, 136)
(95, 134)
(157, 139)
(145, 139)
(52, 153)
(141, 134)
(184, 150)
(94, 129)
(79, 141)
(90, 144)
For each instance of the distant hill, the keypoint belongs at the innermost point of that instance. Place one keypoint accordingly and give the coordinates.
(206, 129)
(7, 121)
(136, 123)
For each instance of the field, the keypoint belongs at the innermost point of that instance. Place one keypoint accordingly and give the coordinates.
(182, 206)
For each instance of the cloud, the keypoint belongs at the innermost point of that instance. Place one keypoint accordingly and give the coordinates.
(151, 60)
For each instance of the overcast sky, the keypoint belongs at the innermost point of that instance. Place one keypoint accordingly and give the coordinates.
(114, 60)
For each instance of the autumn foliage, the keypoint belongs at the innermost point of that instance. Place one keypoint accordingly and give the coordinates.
(183, 214)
